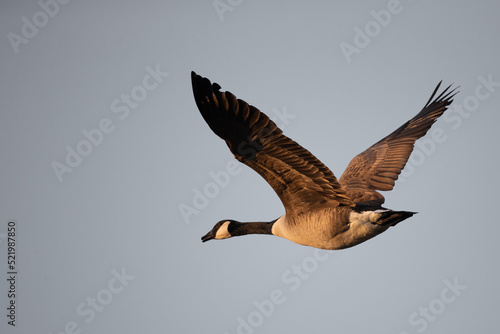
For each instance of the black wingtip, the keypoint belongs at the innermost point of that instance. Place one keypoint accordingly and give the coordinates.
(199, 81)
(445, 96)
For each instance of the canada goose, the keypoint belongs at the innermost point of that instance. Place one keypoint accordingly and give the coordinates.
(320, 211)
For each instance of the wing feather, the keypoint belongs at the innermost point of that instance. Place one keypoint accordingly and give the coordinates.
(300, 180)
(378, 167)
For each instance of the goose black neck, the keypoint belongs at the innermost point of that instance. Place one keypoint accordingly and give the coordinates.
(239, 228)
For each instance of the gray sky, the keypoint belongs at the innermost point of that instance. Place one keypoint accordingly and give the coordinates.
(103, 148)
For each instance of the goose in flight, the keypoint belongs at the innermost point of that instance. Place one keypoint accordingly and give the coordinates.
(320, 211)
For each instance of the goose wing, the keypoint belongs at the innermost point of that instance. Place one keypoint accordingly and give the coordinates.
(299, 179)
(378, 167)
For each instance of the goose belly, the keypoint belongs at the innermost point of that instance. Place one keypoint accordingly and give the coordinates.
(317, 229)
(333, 229)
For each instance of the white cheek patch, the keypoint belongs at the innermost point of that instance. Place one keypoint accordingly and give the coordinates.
(222, 232)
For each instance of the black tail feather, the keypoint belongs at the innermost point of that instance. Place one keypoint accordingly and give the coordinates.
(393, 217)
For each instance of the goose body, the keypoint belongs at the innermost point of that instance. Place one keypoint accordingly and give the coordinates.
(320, 211)
(336, 228)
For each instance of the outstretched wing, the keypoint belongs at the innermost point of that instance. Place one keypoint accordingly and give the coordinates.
(378, 167)
(300, 180)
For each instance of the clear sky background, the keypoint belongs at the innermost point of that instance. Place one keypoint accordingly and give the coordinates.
(111, 176)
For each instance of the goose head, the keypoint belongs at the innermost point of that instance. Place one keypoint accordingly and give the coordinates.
(220, 230)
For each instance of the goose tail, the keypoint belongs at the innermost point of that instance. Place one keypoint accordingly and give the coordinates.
(392, 218)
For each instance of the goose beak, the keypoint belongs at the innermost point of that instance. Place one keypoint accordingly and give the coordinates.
(209, 236)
